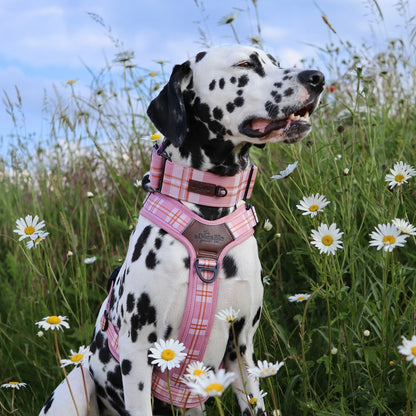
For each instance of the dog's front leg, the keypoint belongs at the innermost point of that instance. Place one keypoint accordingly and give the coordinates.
(136, 372)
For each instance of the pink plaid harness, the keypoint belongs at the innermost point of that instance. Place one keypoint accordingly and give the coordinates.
(207, 243)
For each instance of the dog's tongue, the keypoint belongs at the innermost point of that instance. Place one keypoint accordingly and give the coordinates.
(260, 124)
(263, 125)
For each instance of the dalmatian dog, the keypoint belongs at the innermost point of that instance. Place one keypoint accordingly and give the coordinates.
(214, 108)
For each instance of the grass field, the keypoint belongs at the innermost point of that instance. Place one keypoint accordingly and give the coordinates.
(340, 346)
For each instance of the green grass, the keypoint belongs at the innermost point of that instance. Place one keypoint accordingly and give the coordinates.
(360, 130)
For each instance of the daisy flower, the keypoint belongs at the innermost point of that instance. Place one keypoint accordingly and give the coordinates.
(38, 238)
(404, 226)
(399, 174)
(387, 237)
(79, 357)
(28, 227)
(229, 315)
(167, 354)
(285, 173)
(327, 240)
(196, 370)
(214, 384)
(312, 204)
(53, 322)
(408, 348)
(254, 399)
(300, 297)
(13, 385)
(265, 369)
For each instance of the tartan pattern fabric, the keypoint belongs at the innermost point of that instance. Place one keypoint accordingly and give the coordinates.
(199, 313)
(172, 179)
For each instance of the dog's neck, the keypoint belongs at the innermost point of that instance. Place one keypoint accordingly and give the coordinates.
(218, 156)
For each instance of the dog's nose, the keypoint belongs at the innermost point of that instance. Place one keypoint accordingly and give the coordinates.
(313, 80)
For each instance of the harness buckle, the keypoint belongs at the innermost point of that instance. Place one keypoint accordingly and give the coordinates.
(208, 264)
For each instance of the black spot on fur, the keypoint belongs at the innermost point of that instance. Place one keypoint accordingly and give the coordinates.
(130, 302)
(272, 109)
(287, 71)
(240, 92)
(286, 77)
(277, 97)
(278, 84)
(141, 386)
(243, 349)
(105, 354)
(152, 337)
(257, 316)
(233, 80)
(242, 81)
(126, 367)
(230, 107)
(168, 332)
(147, 312)
(151, 260)
(212, 85)
(217, 113)
(229, 267)
(48, 404)
(186, 262)
(288, 92)
(257, 66)
(221, 83)
(141, 241)
(158, 243)
(239, 101)
(199, 56)
(162, 232)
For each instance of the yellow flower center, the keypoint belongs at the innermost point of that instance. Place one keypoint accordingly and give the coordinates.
(214, 386)
(301, 298)
(313, 208)
(152, 74)
(168, 354)
(198, 372)
(77, 358)
(253, 400)
(265, 370)
(327, 240)
(389, 239)
(155, 136)
(29, 230)
(13, 383)
(53, 320)
(399, 177)
(413, 349)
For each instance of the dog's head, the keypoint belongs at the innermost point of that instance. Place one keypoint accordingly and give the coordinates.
(236, 93)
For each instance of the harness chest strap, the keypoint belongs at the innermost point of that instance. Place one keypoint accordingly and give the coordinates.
(207, 243)
(204, 188)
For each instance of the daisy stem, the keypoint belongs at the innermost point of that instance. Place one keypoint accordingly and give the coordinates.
(220, 409)
(86, 392)
(170, 393)
(240, 366)
(269, 382)
(63, 369)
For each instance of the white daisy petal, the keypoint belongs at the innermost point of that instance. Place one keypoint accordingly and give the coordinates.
(286, 172)
(79, 357)
(327, 239)
(300, 297)
(167, 354)
(53, 322)
(408, 348)
(29, 227)
(13, 385)
(211, 385)
(399, 174)
(387, 237)
(229, 315)
(311, 205)
(265, 369)
(404, 226)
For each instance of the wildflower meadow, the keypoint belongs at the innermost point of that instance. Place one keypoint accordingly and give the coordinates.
(337, 236)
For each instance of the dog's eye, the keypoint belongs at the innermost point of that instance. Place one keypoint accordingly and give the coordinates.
(244, 64)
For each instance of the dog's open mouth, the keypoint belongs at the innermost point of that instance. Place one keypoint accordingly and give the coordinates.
(262, 127)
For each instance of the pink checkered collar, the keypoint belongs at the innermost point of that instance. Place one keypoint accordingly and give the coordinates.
(192, 185)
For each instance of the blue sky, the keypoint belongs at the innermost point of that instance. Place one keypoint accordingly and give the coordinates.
(52, 41)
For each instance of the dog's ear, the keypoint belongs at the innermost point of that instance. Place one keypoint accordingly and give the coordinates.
(167, 111)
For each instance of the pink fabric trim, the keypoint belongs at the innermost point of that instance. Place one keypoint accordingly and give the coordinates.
(172, 179)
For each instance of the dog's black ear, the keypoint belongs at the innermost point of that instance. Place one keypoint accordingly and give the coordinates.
(167, 110)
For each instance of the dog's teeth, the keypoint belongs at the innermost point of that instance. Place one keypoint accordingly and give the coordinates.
(307, 115)
(291, 117)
